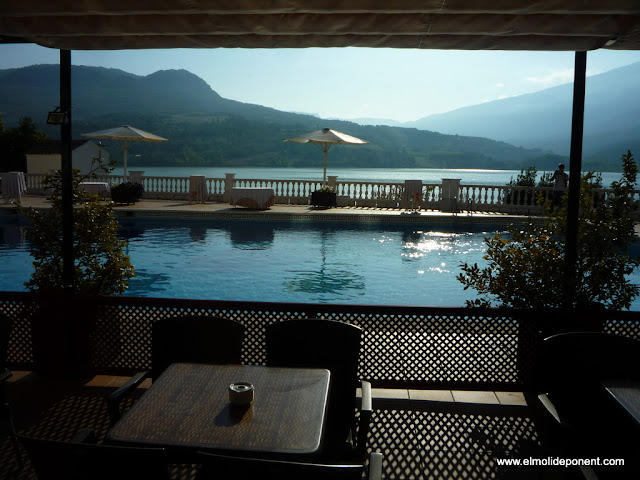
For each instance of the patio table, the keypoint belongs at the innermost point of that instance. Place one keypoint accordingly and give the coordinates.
(187, 407)
(198, 189)
(13, 186)
(626, 394)
(257, 198)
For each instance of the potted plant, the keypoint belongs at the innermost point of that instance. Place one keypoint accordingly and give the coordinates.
(128, 192)
(64, 318)
(325, 197)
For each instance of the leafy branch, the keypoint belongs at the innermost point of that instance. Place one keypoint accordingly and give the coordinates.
(526, 269)
(100, 265)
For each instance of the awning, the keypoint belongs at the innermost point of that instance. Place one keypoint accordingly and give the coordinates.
(577, 25)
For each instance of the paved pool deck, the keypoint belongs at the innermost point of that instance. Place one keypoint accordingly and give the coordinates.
(185, 209)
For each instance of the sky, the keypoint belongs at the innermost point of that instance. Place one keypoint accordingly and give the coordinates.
(348, 83)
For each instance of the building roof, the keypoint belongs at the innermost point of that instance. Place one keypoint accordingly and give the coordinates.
(53, 147)
(571, 25)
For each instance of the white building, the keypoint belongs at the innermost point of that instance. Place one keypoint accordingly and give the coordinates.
(46, 158)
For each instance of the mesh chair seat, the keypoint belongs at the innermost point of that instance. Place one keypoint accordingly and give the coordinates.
(186, 339)
(335, 346)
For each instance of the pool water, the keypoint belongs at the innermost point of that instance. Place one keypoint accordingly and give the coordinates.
(373, 264)
(300, 262)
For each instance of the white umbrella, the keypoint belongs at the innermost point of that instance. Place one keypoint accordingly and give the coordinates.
(125, 133)
(326, 139)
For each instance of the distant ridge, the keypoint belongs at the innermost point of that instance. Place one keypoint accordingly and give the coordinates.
(380, 121)
(543, 119)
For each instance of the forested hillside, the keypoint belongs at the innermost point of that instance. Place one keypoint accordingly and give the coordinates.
(206, 129)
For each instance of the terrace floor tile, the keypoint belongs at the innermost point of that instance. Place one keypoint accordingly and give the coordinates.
(467, 396)
(433, 395)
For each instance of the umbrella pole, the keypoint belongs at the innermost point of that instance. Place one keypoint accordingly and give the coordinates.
(124, 163)
(324, 175)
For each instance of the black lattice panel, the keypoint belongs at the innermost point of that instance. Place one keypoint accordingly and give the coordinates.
(437, 440)
(468, 348)
(122, 338)
(255, 321)
(126, 329)
(623, 324)
(399, 347)
(466, 445)
(392, 433)
(402, 346)
(19, 307)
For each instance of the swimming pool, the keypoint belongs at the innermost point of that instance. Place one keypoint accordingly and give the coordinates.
(299, 262)
(373, 264)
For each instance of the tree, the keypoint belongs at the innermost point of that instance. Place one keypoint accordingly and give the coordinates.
(101, 267)
(527, 267)
(16, 142)
(526, 178)
(545, 180)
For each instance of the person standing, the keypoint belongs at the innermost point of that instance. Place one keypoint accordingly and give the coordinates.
(560, 179)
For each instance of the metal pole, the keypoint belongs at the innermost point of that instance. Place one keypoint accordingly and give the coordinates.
(124, 162)
(67, 172)
(575, 169)
(324, 173)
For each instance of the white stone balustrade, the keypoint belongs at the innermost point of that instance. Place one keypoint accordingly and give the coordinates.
(485, 198)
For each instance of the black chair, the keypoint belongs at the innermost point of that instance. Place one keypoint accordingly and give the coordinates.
(188, 339)
(82, 459)
(6, 324)
(243, 468)
(335, 346)
(573, 365)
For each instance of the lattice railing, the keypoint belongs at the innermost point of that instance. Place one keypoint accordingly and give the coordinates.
(403, 346)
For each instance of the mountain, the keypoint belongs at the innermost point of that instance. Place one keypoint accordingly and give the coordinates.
(207, 129)
(378, 121)
(98, 91)
(543, 119)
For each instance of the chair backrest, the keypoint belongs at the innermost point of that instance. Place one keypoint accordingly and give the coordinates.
(241, 468)
(577, 358)
(317, 343)
(55, 460)
(575, 363)
(5, 334)
(195, 339)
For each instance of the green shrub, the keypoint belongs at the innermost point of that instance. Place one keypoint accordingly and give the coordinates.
(100, 265)
(527, 269)
(128, 192)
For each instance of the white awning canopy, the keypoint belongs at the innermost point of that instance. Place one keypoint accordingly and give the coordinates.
(577, 25)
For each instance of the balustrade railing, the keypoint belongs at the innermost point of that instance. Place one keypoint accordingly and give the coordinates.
(293, 192)
(486, 198)
(166, 187)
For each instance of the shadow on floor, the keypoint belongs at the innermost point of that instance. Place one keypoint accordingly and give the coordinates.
(418, 439)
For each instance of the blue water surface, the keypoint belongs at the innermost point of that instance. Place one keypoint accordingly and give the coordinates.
(373, 264)
(300, 262)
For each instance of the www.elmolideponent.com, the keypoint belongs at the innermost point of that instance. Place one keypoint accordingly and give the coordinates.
(558, 461)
